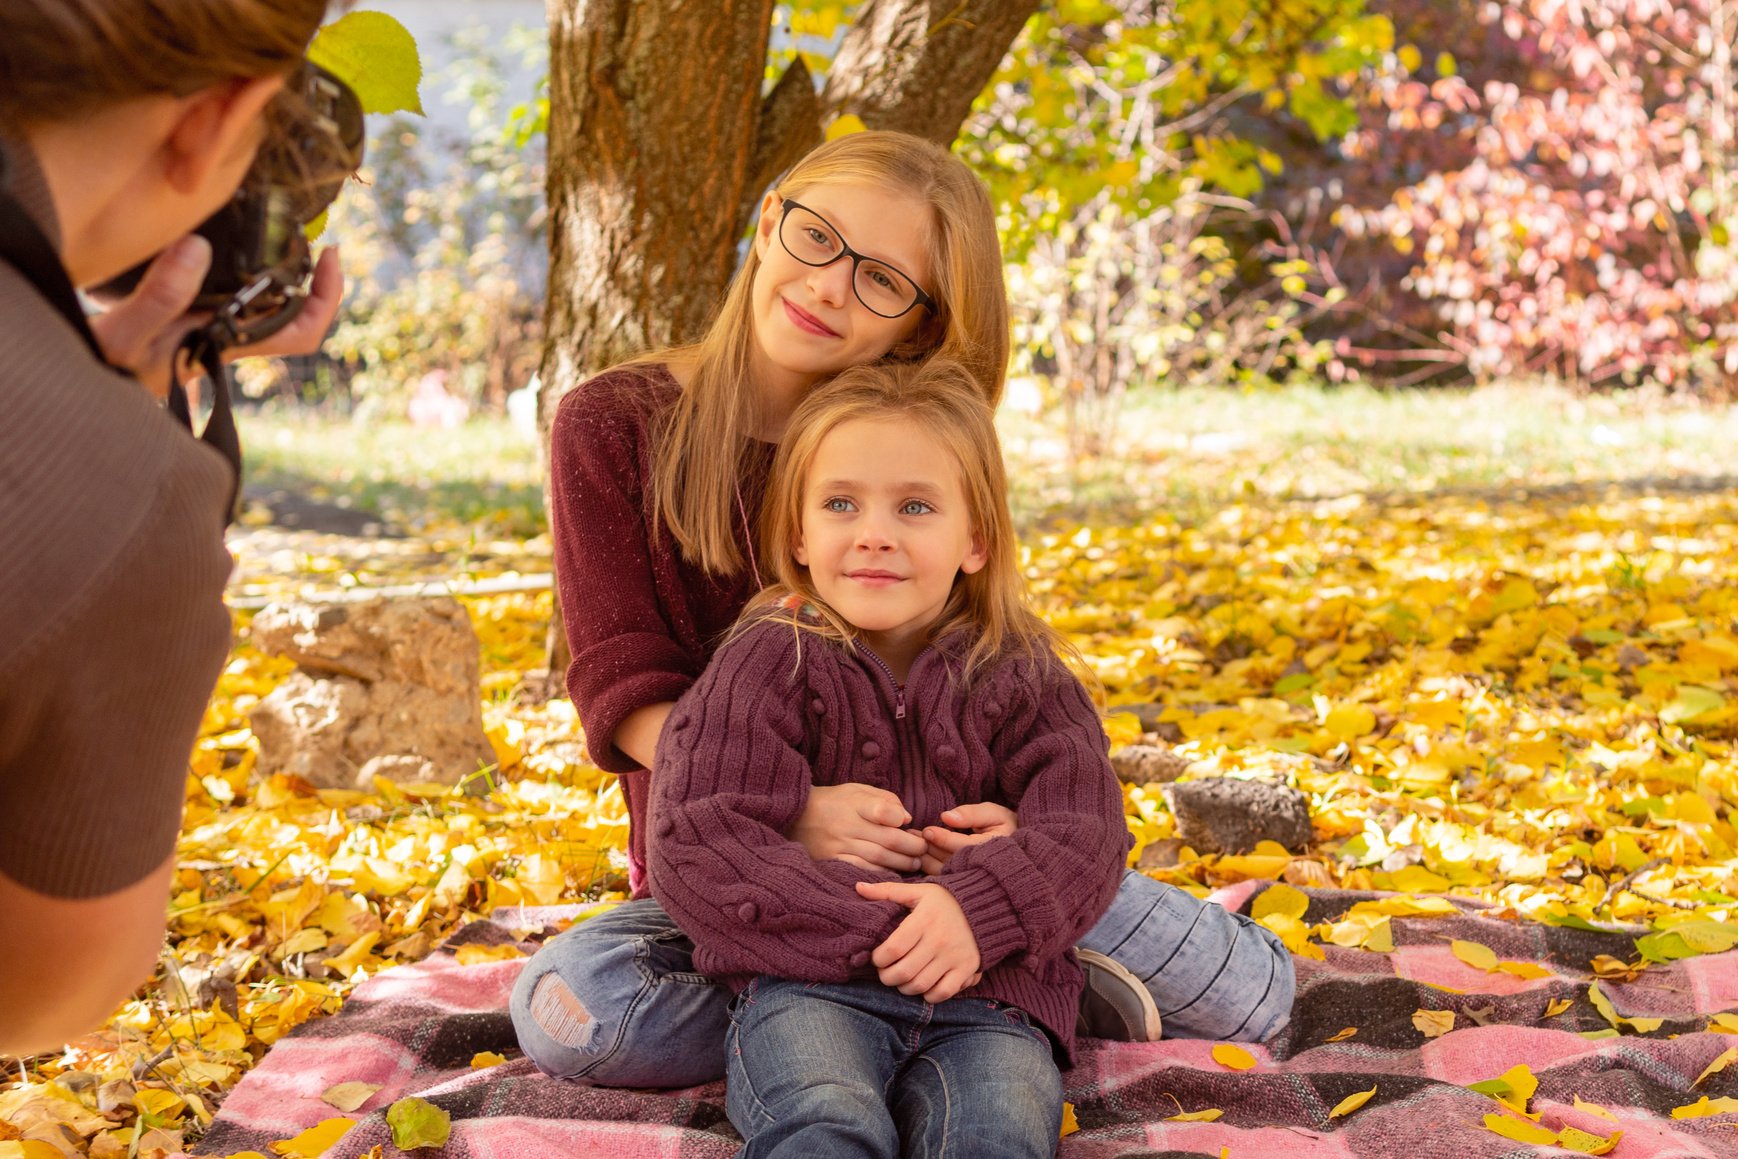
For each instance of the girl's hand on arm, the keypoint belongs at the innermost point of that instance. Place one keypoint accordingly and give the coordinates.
(859, 824)
(982, 821)
(933, 951)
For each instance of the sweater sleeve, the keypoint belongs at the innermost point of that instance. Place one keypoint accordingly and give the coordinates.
(732, 775)
(624, 654)
(1038, 890)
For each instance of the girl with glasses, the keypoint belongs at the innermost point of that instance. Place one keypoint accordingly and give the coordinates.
(877, 1014)
(876, 247)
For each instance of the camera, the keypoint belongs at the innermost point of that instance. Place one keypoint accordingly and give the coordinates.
(261, 263)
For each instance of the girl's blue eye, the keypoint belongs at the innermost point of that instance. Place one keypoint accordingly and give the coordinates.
(836, 504)
(915, 507)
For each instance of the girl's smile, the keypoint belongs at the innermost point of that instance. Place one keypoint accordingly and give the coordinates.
(807, 321)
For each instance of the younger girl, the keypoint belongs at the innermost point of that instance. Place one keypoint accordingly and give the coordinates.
(876, 247)
(878, 1014)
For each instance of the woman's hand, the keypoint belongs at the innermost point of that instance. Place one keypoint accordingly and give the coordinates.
(981, 821)
(141, 332)
(859, 824)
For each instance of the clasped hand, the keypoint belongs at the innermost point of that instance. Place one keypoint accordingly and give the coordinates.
(933, 951)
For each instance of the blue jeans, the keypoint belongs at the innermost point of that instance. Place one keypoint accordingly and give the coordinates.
(860, 1071)
(615, 1001)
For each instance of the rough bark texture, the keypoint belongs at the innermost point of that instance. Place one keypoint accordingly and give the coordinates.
(660, 146)
(917, 65)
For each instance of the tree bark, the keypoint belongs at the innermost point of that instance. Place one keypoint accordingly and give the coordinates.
(661, 145)
(917, 65)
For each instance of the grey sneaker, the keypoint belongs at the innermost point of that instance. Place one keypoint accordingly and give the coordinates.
(1115, 1004)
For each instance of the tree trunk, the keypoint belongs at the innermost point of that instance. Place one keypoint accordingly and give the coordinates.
(661, 145)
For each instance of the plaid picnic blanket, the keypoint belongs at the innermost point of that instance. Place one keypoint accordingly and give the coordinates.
(415, 1030)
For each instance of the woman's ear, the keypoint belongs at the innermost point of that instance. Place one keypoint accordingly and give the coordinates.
(217, 133)
(771, 211)
(800, 552)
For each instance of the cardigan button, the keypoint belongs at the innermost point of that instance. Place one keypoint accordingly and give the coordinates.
(819, 705)
(748, 911)
(871, 750)
(666, 826)
(859, 959)
(945, 757)
(991, 708)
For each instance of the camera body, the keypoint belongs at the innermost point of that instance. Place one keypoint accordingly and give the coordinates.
(261, 263)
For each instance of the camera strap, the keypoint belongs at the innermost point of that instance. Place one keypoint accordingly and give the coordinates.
(26, 248)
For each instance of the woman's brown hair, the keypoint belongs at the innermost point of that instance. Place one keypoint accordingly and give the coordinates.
(61, 59)
(701, 444)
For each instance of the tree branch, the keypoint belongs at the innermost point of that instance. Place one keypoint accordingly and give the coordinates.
(917, 65)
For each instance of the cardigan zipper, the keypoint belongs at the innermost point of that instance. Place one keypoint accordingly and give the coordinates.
(898, 688)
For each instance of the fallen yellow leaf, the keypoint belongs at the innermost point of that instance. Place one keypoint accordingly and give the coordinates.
(348, 1097)
(30, 1149)
(1728, 1057)
(1282, 899)
(1351, 1103)
(1519, 1130)
(1704, 1106)
(1585, 1143)
(1475, 954)
(1070, 1124)
(161, 1103)
(1344, 1034)
(315, 1141)
(1557, 1006)
(1524, 969)
(1433, 1023)
(1233, 1057)
(1593, 1109)
(1724, 1024)
(1206, 1116)
(474, 955)
(486, 1058)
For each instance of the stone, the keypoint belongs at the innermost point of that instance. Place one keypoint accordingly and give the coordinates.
(387, 687)
(1227, 815)
(1145, 764)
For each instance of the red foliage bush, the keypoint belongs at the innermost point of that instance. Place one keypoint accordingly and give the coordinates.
(1553, 194)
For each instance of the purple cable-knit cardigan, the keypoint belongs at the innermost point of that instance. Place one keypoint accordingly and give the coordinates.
(778, 711)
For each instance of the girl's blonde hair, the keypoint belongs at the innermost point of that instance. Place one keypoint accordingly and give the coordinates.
(989, 608)
(701, 443)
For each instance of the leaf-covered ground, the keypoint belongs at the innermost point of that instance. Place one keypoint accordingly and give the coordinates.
(1528, 698)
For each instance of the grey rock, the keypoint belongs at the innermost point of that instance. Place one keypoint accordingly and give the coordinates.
(389, 687)
(1144, 764)
(1226, 815)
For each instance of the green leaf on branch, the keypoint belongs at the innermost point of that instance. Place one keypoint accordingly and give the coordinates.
(375, 55)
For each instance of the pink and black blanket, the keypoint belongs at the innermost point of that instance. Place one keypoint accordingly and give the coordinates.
(415, 1030)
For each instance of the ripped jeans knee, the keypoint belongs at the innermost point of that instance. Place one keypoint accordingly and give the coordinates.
(615, 1001)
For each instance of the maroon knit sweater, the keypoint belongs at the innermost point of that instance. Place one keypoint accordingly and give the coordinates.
(778, 711)
(642, 622)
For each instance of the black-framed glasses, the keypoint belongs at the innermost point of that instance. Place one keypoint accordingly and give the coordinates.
(815, 241)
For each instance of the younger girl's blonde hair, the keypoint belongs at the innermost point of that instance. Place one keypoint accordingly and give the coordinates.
(989, 607)
(701, 444)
